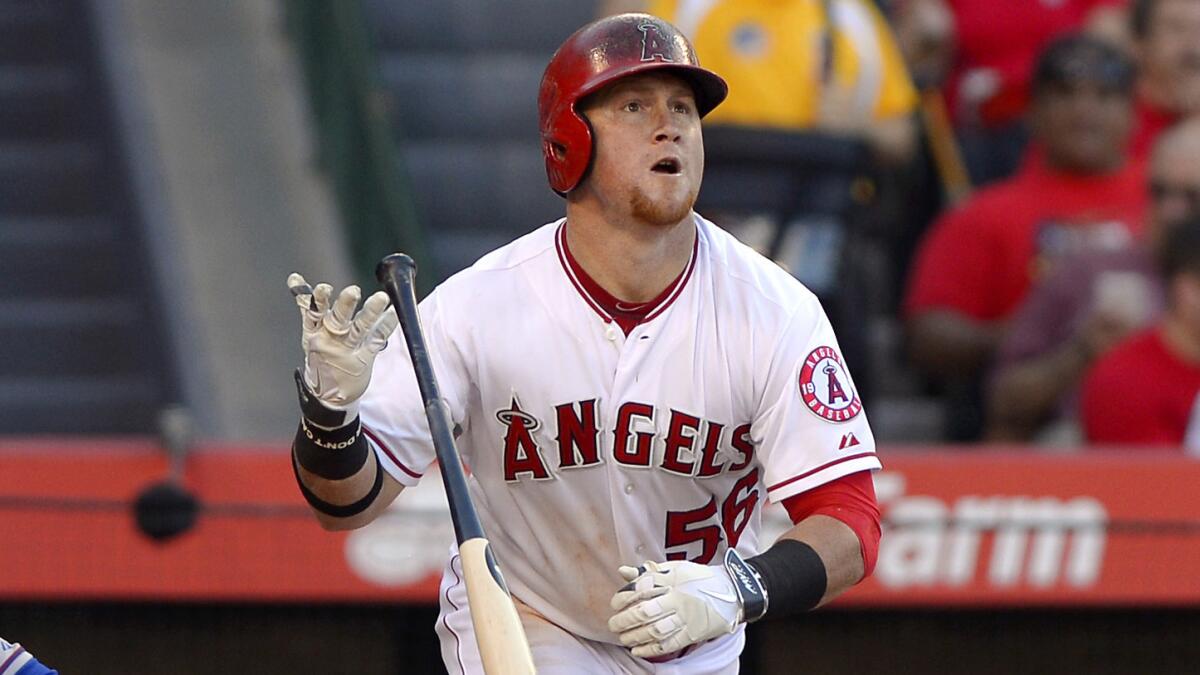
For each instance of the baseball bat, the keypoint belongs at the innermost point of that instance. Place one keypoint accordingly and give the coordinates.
(503, 647)
(943, 146)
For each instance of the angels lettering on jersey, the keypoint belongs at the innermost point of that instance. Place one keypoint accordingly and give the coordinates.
(687, 445)
(644, 435)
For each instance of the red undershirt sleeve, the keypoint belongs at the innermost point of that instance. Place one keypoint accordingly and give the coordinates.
(850, 499)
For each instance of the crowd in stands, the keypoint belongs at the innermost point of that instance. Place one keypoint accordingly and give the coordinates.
(1035, 172)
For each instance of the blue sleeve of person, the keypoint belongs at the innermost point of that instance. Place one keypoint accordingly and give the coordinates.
(15, 660)
(35, 667)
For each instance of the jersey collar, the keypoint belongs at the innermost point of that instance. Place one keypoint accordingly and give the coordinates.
(604, 304)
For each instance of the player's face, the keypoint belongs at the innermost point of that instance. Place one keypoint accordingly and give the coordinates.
(649, 154)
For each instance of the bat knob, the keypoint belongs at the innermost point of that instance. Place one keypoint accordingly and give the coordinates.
(397, 263)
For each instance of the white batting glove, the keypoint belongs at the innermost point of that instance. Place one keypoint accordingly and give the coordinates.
(339, 344)
(670, 605)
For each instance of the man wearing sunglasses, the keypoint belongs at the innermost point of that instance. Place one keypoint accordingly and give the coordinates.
(1090, 303)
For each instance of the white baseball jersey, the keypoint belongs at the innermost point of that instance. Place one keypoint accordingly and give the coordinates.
(589, 448)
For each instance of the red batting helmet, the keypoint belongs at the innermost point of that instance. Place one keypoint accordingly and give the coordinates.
(595, 55)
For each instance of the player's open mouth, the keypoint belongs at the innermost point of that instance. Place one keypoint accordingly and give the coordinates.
(669, 165)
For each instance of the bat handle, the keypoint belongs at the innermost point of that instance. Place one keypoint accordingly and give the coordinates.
(397, 274)
(503, 646)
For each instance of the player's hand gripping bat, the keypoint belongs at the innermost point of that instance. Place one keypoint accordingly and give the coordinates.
(502, 644)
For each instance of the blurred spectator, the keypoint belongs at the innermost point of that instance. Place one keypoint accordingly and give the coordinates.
(1167, 38)
(16, 660)
(937, 177)
(1089, 304)
(1077, 192)
(925, 34)
(1143, 392)
(997, 46)
(801, 64)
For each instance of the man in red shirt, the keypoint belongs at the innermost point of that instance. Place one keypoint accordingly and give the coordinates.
(1091, 303)
(997, 45)
(1143, 392)
(1077, 193)
(1167, 35)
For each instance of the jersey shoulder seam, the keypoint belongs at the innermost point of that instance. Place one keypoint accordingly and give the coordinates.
(803, 295)
(499, 260)
(489, 261)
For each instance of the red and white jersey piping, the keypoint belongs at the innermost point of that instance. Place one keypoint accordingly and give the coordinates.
(560, 245)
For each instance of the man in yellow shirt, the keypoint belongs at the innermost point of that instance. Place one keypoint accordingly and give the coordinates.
(831, 65)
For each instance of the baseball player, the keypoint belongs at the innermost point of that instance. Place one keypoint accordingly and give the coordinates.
(16, 660)
(630, 384)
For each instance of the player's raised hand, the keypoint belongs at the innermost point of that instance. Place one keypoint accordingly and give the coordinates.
(670, 605)
(339, 343)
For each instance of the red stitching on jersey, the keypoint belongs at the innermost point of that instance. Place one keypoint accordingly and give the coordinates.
(560, 242)
(819, 469)
(388, 451)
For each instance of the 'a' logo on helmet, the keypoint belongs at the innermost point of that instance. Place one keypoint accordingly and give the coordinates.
(654, 44)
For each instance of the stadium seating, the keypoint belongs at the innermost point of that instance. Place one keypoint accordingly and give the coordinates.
(79, 340)
(463, 78)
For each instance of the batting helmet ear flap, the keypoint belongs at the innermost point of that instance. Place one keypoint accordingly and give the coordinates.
(567, 146)
(593, 141)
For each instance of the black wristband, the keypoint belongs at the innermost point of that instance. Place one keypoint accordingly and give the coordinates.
(334, 453)
(312, 408)
(793, 575)
(341, 510)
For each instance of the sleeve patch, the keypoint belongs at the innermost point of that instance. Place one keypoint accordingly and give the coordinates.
(825, 386)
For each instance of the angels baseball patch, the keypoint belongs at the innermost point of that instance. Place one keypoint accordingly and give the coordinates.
(825, 386)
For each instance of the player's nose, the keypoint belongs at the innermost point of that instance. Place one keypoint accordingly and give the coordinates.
(667, 128)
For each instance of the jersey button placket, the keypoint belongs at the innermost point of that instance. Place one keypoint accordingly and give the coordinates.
(628, 361)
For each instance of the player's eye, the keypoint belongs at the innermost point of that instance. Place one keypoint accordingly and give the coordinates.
(682, 108)
(633, 106)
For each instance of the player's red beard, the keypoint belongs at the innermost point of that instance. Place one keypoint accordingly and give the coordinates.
(661, 212)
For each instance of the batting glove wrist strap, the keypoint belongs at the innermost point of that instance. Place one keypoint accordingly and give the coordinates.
(666, 606)
(333, 454)
(793, 574)
(748, 585)
(317, 412)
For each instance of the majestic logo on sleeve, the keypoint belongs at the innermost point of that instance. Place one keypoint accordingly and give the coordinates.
(825, 386)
